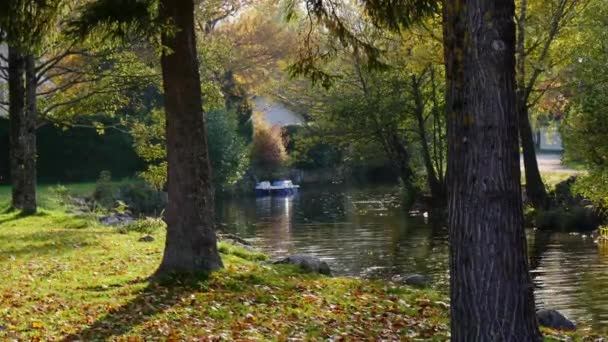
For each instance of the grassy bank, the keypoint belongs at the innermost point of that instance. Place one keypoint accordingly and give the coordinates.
(65, 278)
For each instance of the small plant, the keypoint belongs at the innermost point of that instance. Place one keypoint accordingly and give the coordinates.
(147, 225)
(105, 193)
(121, 207)
(62, 193)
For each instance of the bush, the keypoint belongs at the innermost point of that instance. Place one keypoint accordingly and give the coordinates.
(106, 192)
(268, 155)
(142, 198)
(228, 153)
(574, 219)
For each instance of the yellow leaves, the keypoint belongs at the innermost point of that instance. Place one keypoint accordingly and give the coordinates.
(37, 325)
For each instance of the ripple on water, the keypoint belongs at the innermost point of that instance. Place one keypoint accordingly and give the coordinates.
(365, 232)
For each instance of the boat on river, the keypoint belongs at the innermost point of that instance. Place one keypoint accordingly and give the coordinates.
(277, 188)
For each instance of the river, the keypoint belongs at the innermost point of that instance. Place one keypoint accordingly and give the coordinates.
(365, 232)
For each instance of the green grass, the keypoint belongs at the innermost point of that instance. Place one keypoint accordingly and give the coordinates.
(63, 277)
(45, 194)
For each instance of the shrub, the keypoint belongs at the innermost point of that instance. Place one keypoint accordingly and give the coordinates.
(268, 154)
(106, 192)
(142, 198)
(147, 225)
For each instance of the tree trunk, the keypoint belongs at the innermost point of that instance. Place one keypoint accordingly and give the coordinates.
(535, 188)
(29, 137)
(490, 287)
(400, 157)
(437, 188)
(191, 242)
(16, 86)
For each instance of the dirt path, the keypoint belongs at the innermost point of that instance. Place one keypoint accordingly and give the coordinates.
(551, 162)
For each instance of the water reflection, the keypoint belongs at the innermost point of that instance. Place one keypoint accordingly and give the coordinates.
(366, 232)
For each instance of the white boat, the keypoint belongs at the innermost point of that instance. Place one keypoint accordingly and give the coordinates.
(278, 188)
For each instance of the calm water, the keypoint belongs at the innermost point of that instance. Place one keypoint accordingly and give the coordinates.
(365, 232)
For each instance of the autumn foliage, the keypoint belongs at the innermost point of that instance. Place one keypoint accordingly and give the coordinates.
(268, 154)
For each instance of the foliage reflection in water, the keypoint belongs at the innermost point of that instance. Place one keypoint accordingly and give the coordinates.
(365, 232)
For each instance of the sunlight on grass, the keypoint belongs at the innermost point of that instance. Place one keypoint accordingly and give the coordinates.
(66, 278)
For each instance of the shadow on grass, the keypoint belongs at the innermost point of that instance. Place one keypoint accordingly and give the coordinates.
(47, 242)
(156, 298)
(17, 215)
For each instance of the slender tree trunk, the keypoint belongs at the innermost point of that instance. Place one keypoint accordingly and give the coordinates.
(29, 137)
(191, 242)
(16, 85)
(535, 188)
(490, 287)
(438, 191)
(400, 157)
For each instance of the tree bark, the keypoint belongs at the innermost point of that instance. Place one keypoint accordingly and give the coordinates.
(191, 242)
(29, 137)
(535, 187)
(490, 286)
(16, 86)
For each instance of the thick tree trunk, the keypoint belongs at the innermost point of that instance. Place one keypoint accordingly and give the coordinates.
(490, 287)
(191, 241)
(16, 86)
(29, 137)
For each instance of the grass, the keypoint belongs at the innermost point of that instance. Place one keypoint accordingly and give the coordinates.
(46, 196)
(64, 278)
(67, 278)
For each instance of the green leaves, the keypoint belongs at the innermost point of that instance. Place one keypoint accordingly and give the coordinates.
(120, 20)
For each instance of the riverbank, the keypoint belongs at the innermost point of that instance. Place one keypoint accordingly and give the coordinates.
(66, 278)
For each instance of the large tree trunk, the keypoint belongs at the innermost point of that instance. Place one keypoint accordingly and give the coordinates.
(490, 287)
(191, 241)
(16, 86)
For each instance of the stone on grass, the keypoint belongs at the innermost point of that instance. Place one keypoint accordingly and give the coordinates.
(553, 319)
(147, 238)
(416, 280)
(118, 219)
(307, 263)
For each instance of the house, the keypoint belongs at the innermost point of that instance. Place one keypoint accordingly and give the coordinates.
(547, 138)
(275, 113)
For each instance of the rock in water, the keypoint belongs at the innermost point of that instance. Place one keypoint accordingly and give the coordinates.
(307, 263)
(554, 320)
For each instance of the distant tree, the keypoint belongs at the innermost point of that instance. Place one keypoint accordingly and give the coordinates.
(539, 58)
(268, 155)
(24, 25)
(584, 101)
